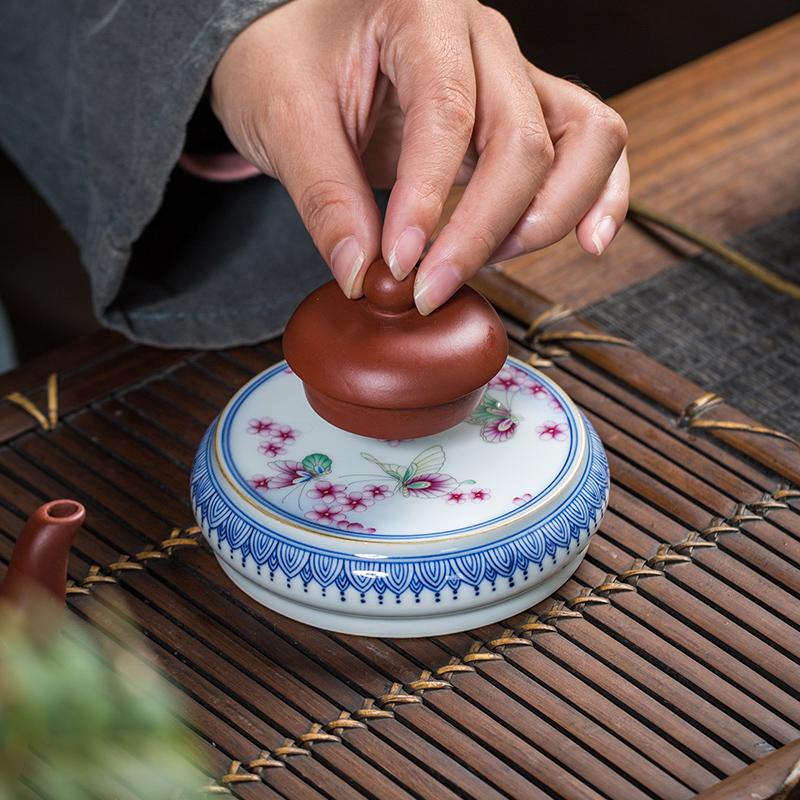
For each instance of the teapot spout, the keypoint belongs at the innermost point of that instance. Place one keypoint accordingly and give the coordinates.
(35, 584)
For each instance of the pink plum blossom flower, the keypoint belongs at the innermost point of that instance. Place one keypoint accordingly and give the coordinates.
(353, 527)
(479, 495)
(259, 482)
(456, 498)
(498, 430)
(510, 379)
(324, 514)
(271, 449)
(535, 389)
(393, 442)
(556, 406)
(261, 427)
(381, 492)
(552, 430)
(524, 499)
(326, 491)
(284, 434)
(355, 501)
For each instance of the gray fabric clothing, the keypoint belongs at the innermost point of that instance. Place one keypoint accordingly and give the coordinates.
(95, 98)
(8, 351)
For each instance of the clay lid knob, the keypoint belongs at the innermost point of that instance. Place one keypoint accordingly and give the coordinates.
(375, 366)
(384, 293)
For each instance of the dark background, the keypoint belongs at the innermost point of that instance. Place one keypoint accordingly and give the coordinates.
(614, 45)
(609, 46)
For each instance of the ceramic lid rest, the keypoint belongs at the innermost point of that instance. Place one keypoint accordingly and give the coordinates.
(400, 537)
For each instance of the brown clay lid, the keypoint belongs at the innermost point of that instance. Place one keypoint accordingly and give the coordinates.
(379, 352)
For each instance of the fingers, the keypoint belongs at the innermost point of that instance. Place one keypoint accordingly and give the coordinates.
(515, 153)
(304, 94)
(600, 224)
(429, 62)
(587, 186)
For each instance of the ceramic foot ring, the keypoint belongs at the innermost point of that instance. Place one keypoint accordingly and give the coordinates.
(394, 538)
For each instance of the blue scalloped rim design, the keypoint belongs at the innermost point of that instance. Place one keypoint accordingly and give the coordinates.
(574, 518)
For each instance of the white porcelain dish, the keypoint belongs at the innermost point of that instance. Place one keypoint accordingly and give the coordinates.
(411, 538)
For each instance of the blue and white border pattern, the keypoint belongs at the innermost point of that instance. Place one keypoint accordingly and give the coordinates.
(567, 527)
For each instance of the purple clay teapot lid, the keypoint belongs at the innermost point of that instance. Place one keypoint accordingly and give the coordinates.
(377, 367)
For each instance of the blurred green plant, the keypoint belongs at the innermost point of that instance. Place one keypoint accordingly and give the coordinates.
(103, 722)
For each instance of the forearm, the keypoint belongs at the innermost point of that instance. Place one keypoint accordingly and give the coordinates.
(95, 98)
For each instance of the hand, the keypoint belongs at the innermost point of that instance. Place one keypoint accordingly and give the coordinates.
(335, 98)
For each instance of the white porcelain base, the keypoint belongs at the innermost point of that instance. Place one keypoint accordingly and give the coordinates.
(400, 627)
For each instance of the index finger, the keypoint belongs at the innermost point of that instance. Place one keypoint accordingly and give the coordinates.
(429, 61)
(515, 155)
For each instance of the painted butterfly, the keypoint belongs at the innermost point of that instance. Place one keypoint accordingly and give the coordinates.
(423, 476)
(292, 473)
(497, 422)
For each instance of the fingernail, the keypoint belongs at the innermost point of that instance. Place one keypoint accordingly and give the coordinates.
(406, 252)
(435, 287)
(347, 259)
(604, 232)
(510, 248)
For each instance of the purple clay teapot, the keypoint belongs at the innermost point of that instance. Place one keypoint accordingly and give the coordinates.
(34, 589)
(33, 595)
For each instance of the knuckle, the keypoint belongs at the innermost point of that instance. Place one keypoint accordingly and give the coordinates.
(429, 195)
(484, 240)
(535, 144)
(254, 146)
(559, 224)
(496, 20)
(452, 106)
(320, 201)
(548, 227)
(608, 124)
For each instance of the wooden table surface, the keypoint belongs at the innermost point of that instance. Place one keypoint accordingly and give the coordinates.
(665, 667)
(714, 143)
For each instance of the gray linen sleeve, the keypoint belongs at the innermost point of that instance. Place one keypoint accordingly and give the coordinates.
(95, 98)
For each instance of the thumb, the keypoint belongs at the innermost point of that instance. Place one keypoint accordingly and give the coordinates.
(282, 112)
(324, 175)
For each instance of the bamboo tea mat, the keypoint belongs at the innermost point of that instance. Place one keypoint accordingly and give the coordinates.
(666, 667)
